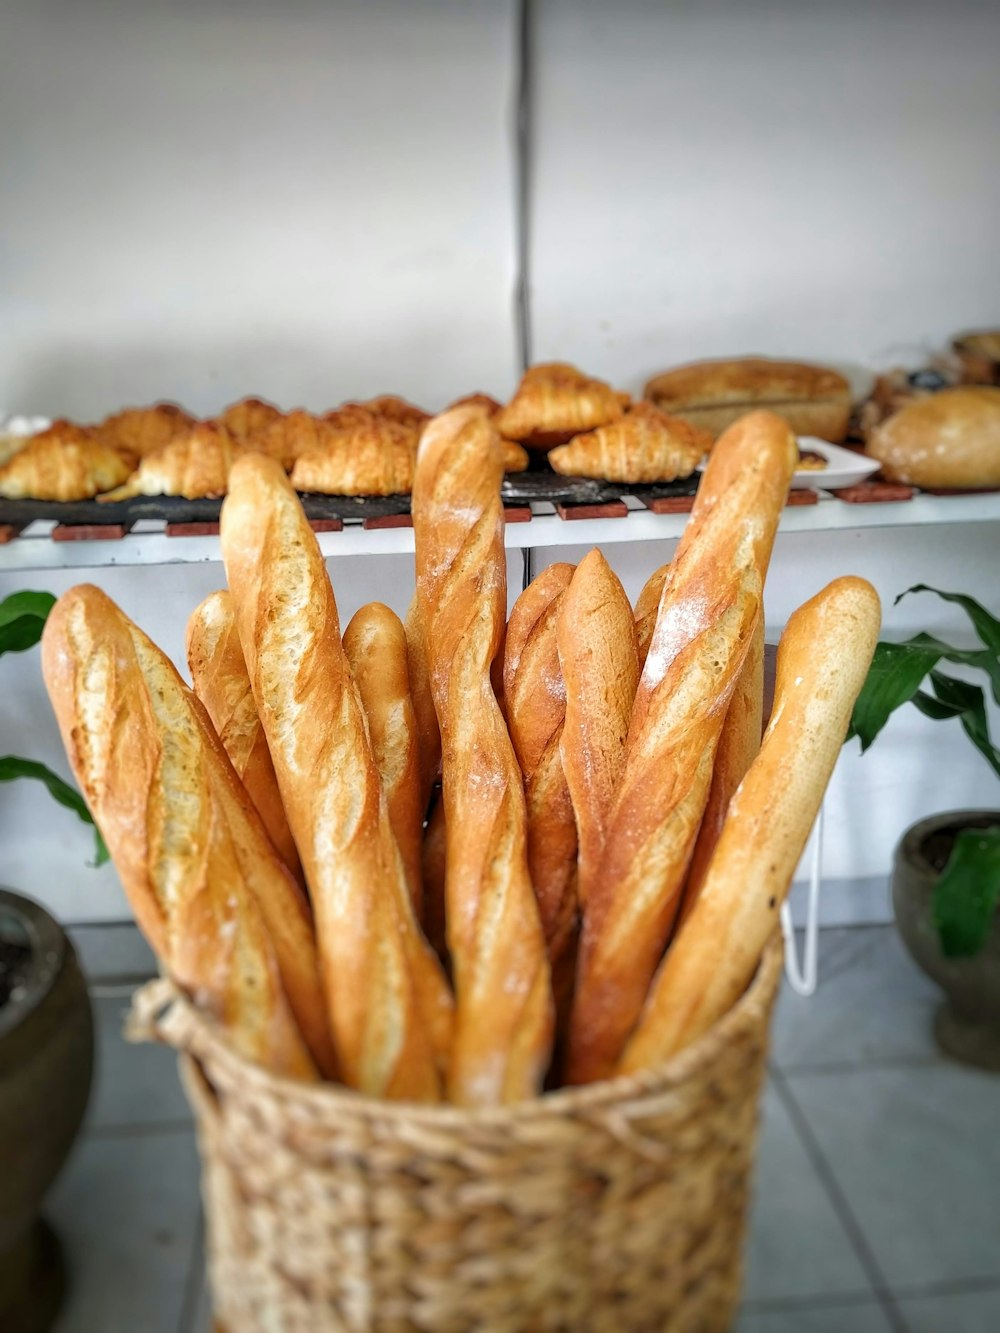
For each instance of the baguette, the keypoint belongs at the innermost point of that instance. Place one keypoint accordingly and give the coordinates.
(739, 742)
(428, 731)
(432, 865)
(596, 636)
(375, 644)
(535, 705)
(208, 890)
(220, 680)
(646, 608)
(708, 607)
(503, 1020)
(388, 1001)
(823, 659)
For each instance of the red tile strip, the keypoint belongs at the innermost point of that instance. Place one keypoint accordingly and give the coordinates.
(89, 532)
(613, 509)
(388, 521)
(202, 529)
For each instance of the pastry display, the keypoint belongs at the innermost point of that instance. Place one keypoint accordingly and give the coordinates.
(947, 441)
(139, 431)
(249, 421)
(713, 394)
(195, 465)
(645, 445)
(543, 844)
(63, 463)
(554, 402)
(373, 456)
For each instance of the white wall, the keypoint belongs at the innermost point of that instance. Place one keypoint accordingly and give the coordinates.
(314, 200)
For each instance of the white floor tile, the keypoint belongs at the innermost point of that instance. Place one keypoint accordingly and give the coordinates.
(917, 1155)
(958, 1312)
(126, 1210)
(797, 1246)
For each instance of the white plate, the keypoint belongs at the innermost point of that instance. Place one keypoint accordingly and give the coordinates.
(843, 466)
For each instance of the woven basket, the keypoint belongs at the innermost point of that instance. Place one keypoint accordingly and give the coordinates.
(620, 1206)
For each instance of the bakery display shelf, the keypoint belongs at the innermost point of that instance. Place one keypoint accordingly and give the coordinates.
(148, 543)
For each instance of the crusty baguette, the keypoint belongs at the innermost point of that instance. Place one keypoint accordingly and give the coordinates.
(375, 644)
(208, 890)
(646, 607)
(596, 638)
(220, 680)
(419, 674)
(388, 1001)
(535, 706)
(710, 601)
(739, 742)
(503, 1026)
(823, 658)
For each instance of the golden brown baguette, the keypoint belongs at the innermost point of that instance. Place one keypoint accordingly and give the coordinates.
(433, 869)
(535, 707)
(646, 607)
(739, 742)
(220, 680)
(708, 607)
(208, 890)
(419, 673)
(823, 658)
(375, 644)
(503, 1026)
(388, 1001)
(596, 638)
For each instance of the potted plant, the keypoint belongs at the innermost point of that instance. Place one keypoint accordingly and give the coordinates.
(46, 1047)
(946, 868)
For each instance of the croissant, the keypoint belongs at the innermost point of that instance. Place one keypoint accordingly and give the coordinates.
(63, 463)
(376, 458)
(390, 408)
(291, 434)
(249, 421)
(645, 445)
(196, 466)
(144, 430)
(489, 404)
(556, 401)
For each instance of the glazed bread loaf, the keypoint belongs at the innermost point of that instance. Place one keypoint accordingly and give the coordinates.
(596, 638)
(947, 441)
(375, 644)
(503, 1020)
(217, 905)
(220, 680)
(388, 1001)
(823, 659)
(535, 706)
(714, 394)
(708, 607)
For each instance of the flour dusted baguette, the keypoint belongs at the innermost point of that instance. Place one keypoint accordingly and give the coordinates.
(375, 644)
(823, 658)
(708, 607)
(535, 705)
(596, 638)
(208, 890)
(739, 742)
(220, 680)
(503, 1020)
(388, 1001)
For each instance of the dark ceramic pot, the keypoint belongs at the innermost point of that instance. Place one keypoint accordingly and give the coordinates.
(967, 1026)
(46, 1062)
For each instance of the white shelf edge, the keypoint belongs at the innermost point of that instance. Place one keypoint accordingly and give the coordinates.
(544, 530)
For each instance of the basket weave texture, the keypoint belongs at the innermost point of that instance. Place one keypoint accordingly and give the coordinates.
(620, 1206)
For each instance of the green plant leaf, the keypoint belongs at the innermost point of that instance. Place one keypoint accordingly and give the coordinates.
(22, 619)
(894, 677)
(966, 895)
(987, 627)
(11, 768)
(968, 704)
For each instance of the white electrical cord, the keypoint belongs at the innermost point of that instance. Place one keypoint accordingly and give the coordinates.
(803, 979)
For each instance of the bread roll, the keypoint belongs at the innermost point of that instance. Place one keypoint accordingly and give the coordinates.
(714, 394)
(503, 1027)
(949, 440)
(208, 890)
(375, 644)
(220, 680)
(708, 607)
(739, 742)
(823, 659)
(646, 607)
(535, 706)
(388, 1001)
(596, 638)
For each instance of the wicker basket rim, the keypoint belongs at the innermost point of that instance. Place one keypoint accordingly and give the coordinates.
(624, 1088)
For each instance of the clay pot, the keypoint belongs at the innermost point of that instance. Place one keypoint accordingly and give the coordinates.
(46, 1063)
(967, 1026)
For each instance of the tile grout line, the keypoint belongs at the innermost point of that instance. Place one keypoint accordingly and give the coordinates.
(194, 1278)
(838, 1201)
